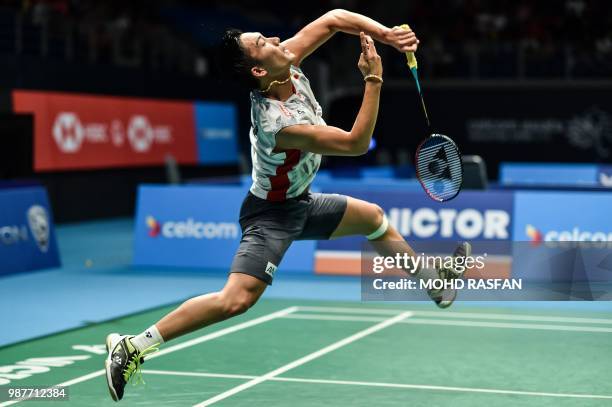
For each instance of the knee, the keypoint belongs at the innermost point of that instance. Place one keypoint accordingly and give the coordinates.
(237, 303)
(377, 217)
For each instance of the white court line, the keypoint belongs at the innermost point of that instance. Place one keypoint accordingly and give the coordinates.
(429, 321)
(442, 314)
(198, 374)
(180, 346)
(379, 384)
(435, 321)
(305, 359)
(225, 331)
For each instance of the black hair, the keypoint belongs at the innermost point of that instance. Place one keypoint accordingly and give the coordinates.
(234, 62)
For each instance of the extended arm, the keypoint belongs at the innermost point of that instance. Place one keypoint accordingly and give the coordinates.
(330, 140)
(322, 29)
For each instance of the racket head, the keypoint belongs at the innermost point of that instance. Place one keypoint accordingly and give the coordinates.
(439, 167)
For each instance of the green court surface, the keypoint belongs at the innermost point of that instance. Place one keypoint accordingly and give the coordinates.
(297, 353)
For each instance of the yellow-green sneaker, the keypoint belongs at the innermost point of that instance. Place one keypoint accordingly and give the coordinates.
(123, 363)
(445, 297)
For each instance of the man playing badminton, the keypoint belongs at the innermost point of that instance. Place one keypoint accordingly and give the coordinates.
(288, 137)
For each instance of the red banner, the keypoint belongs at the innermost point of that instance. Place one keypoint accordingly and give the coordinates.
(73, 131)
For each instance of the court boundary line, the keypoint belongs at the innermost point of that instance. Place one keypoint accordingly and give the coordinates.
(447, 322)
(475, 315)
(305, 359)
(380, 384)
(180, 346)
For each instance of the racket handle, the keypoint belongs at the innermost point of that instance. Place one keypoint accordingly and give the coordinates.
(410, 58)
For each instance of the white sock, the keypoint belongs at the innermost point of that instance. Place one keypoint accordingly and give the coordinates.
(146, 339)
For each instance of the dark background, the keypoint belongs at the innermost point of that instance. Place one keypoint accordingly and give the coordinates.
(532, 64)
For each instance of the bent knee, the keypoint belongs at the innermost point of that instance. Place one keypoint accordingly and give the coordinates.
(237, 304)
(376, 218)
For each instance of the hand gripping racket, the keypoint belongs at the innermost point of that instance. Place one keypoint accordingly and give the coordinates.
(438, 160)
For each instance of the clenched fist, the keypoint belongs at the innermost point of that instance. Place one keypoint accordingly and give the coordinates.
(403, 40)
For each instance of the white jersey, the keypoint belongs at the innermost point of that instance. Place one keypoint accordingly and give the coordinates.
(286, 174)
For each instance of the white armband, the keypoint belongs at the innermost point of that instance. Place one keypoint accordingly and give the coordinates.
(381, 229)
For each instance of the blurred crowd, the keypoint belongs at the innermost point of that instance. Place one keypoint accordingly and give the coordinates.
(504, 38)
(122, 33)
(460, 38)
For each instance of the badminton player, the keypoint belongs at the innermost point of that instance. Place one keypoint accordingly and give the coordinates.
(288, 137)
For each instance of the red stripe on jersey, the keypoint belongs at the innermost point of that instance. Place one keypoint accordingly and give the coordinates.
(280, 182)
(286, 111)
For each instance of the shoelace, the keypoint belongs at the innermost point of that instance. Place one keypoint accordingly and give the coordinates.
(133, 367)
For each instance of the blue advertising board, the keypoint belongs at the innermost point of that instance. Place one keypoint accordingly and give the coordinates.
(27, 234)
(552, 223)
(216, 132)
(474, 215)
(562, 216)
(549, 174)
(604, 175)
(197, 226)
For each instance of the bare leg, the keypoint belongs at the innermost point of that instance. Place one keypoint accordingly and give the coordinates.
(240, 293)
(363, 218)
(126, 353)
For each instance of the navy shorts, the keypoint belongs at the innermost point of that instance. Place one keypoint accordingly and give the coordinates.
(269, 228)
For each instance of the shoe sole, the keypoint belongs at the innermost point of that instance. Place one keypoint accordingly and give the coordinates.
(107, 365)
(443, 305)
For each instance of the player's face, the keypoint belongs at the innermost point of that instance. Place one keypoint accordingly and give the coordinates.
(272, 56)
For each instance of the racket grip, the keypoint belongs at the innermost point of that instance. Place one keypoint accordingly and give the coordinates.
(410, 58)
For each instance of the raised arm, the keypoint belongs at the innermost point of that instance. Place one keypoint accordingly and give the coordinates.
(330, 140)
(323, 28)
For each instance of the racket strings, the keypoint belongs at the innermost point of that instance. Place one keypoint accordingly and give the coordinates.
(439, 167)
